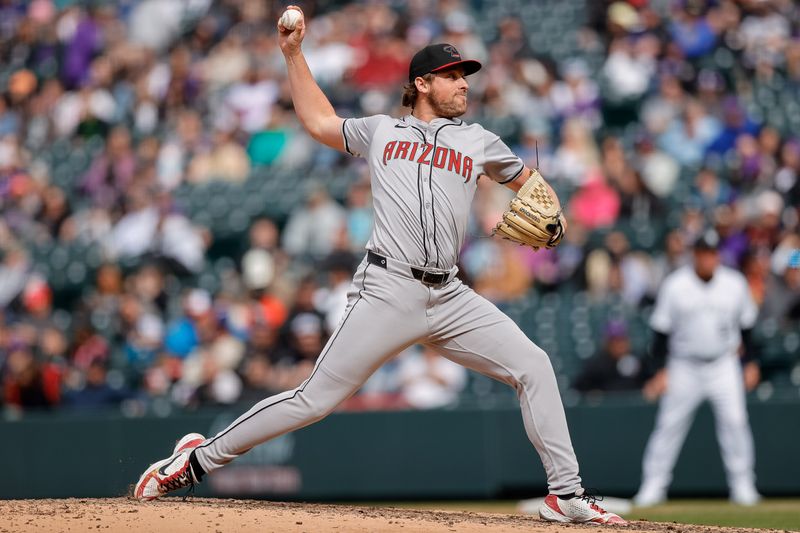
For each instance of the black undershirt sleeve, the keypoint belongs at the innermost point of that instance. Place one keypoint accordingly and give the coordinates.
(750, 350)
(658, 351)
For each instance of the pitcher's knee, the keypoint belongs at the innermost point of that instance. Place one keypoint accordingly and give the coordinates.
(535, 363)
(316, 409)
(533, 371)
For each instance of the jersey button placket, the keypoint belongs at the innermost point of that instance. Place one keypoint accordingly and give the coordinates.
(426, 233)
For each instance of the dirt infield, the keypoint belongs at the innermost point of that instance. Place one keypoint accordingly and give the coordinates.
(208, 515)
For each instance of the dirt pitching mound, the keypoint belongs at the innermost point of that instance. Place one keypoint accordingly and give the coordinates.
(201, 515)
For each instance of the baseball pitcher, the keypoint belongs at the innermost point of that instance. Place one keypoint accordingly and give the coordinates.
(424, 168)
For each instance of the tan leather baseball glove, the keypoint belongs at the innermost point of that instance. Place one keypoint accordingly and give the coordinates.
(533, 217)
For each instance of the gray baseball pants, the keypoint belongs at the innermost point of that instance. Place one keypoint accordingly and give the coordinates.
(388, 311)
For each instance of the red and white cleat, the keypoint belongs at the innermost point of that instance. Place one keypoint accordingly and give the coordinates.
(190, 440)
(581, 509)
(170, 474)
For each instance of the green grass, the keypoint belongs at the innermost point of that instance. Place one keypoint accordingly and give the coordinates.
(772, 513)
(783, 514)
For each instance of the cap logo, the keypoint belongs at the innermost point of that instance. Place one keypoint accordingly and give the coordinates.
(450, 49)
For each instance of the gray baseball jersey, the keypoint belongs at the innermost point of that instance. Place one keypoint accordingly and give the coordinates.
(424, 176)
(423, 181)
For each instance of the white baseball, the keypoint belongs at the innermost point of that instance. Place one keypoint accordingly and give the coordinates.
(290, 18)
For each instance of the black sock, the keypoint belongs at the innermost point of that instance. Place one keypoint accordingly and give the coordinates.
(566, 496)
(197, 470)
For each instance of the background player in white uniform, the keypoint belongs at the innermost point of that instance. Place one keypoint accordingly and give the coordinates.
(703, 316)
(424, 168)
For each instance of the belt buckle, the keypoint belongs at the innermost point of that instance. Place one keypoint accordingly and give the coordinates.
(435, 275)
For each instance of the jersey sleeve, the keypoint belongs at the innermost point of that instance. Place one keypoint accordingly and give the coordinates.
(500, 164)
(661, 320)
(358, 133)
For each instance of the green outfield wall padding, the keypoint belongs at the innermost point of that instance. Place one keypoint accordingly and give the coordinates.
(459, 453)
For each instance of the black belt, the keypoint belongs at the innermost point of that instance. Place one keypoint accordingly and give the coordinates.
(424, 276)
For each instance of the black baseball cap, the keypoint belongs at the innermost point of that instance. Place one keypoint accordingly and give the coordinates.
(436, 57)
(709, 240)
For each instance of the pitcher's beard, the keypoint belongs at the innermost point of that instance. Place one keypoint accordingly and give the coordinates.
(455, 107)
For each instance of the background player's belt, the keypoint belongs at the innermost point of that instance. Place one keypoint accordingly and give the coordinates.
(426, 277)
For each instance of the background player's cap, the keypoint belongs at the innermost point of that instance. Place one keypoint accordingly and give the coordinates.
(437, 57)
(709, 240)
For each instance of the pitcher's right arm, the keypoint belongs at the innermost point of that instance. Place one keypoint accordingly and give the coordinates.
(313, 108)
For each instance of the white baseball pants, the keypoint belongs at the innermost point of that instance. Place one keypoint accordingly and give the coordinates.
(689, 383)
(386, 313)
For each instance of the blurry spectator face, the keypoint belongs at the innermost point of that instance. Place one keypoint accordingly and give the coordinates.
(129, 310)
(119, 142)
(189, 126)
(304, 298)
(307, 332)
(262, 337)
(617, 244)
(55, 203)
(149, 332)
(53, 343)
(724, 220)
(149, 283)
(618, 346)
(671, 88)
(24, 334)
(264, 234)
(770, 140)
(447, 93)
(96, 375)
(358, 195)
(207, 327)
(137, 199)
(317, 196)
(791, 277)
(101, 72)
(692, 115)
(109, 279)
(790, 154)
(180, 61)
(707, 182)
(147, 150)
(20, 363)
(257, 371)
(732, 113)
(693, 220)
(21, 85)
(747, 146)
(9, 153)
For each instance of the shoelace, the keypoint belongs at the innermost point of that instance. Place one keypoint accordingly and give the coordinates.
(189, 493)
(178, 482)
(591, 497)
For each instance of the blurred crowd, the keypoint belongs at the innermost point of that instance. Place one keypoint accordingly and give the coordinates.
(655, 120)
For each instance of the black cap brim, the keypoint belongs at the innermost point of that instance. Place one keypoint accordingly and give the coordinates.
(470, 66)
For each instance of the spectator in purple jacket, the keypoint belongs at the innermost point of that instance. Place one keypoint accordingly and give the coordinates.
(85, 44)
